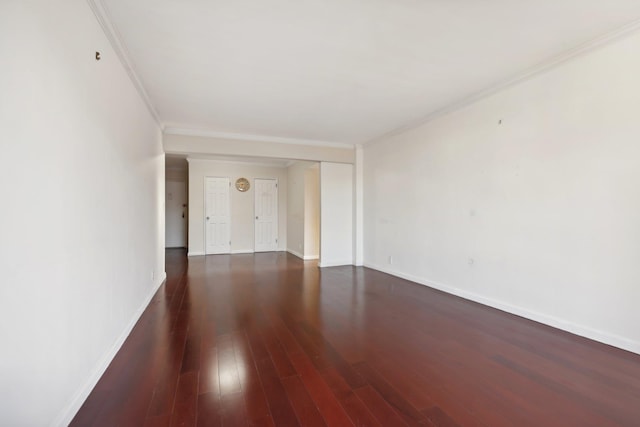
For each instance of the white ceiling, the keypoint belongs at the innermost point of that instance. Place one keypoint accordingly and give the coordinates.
(340, 70)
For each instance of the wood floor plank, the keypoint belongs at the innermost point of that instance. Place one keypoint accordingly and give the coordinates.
(336, 361)
(389, 394)
(355, 408)
(302, 403)
(439, 418)
(278, 354)
(255, 399)
(157, 421)
(209, 372)
(279, 404)
(328, 404)
(233, 412)
(227, 367)
(185, 402)
(379, 407)
(191, 358)
(209, 408)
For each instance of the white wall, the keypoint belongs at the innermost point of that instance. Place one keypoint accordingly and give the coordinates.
(176, 175)
(82, 217)
(336, 214)
(538, 215)
(303, 210)
(242, 204)
(358, 206)
(312, 212)
(202, 145)
(295, 207)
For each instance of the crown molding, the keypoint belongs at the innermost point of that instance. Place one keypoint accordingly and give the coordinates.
(170, 130)
(536, 70)
(111, 32)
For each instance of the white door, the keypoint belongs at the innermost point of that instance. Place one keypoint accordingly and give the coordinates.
(266, 207)
(176, 212)
(217, 216)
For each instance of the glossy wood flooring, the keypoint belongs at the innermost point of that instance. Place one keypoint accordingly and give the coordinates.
(267, 340)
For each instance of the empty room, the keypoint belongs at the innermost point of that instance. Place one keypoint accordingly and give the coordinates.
(320, 213)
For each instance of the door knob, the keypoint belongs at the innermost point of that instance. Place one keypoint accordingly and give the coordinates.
(207, 218)
(256, 217)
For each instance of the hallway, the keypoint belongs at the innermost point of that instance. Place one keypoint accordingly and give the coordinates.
(268, 339)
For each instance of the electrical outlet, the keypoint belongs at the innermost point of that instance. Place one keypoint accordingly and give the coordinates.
(153, 275)
(390, 259)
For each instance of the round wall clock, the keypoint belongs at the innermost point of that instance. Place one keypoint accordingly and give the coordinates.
(242, 184)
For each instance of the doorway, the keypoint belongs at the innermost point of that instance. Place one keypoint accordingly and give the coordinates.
(176, 221)
(176, 187)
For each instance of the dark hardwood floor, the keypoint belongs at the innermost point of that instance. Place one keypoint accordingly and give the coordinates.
(267, 339)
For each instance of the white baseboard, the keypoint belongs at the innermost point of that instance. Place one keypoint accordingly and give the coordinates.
(234, 252)
(296, 253)
(303, 257)
(556, 322)
(334, 263)
(66, 415)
